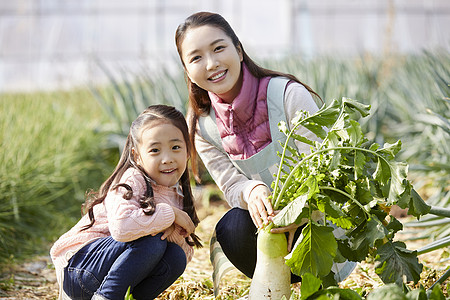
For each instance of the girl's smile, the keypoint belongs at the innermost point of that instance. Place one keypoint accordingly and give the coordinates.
(212, 61)
(162, 153)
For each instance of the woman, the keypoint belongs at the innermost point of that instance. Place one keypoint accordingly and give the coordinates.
(235, 107)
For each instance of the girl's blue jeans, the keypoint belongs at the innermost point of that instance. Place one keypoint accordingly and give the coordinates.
(107, 267)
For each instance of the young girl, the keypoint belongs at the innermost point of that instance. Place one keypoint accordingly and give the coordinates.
(139, 229)
(235, 107)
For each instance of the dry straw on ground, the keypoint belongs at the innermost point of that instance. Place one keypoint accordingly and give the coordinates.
(36, 279)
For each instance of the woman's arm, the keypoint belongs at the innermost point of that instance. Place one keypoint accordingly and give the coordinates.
(298, 98)
(240, 191)
(235, 186)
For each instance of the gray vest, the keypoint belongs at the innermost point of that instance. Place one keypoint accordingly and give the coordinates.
(262, 165)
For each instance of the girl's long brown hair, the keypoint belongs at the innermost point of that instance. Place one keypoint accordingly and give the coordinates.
(199, 102)
(158, 113)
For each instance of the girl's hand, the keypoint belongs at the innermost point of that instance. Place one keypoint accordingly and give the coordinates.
(259, 206)
(168, 231)
(183, 220)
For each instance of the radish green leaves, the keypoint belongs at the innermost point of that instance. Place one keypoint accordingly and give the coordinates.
(353, 183)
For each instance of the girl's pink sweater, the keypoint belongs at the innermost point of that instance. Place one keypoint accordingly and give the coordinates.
(124, 220)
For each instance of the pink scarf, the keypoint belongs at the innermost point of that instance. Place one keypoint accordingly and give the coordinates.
(244, 124)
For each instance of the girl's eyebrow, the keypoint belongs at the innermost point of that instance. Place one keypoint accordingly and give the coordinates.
(212, 43)
(159, 143)
(153, 144)
(176, 140)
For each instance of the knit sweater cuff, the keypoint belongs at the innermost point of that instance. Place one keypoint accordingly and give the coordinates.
(249, 186)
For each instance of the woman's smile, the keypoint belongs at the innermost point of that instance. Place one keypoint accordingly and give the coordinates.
(212, 61)
(217, 76)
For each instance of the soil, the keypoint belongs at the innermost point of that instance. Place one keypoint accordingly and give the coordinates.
(35, 279)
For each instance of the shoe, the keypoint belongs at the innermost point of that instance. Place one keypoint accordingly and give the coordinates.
(98, 297)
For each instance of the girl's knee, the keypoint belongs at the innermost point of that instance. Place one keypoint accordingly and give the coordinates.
(150, 245)
(167, 271)
(176, 257)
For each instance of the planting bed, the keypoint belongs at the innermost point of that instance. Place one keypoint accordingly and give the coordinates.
(35, 279)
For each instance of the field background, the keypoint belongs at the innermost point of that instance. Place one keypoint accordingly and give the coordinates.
(57, 145)
(75, 73)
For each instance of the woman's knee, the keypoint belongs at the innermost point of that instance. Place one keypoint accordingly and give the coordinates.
(235, 226)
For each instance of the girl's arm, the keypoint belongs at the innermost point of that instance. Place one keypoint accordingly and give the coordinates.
(183, 220)
(126, 218)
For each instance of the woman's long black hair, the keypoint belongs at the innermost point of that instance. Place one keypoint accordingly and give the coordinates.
(159, 113)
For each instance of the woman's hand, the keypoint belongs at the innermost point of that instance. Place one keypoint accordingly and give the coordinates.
(259, 206)
(183, 220)
(291, 229)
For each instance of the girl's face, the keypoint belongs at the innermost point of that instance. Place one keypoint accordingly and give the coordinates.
(162, 153)
(212, 61)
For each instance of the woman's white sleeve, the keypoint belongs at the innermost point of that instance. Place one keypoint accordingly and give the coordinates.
(235, 185)
(297, 98)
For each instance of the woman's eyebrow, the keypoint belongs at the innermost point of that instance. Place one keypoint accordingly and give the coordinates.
(217, 41)
(212, 43)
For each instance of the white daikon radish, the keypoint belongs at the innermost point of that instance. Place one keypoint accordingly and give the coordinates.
(272, 277)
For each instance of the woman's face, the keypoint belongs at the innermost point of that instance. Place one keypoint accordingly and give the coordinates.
(212, 61)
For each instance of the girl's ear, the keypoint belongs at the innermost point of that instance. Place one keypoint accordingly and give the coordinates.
(135, 155)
